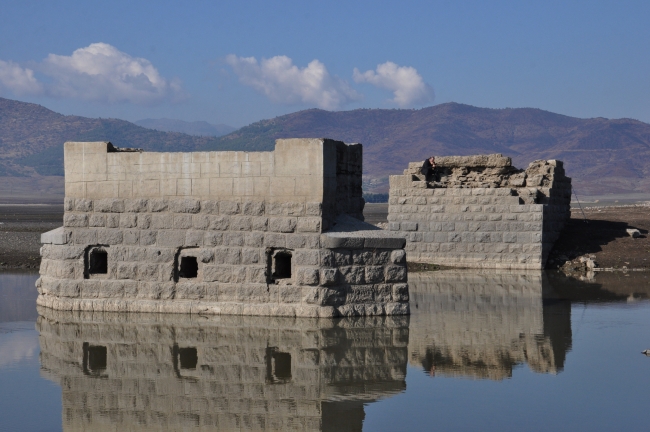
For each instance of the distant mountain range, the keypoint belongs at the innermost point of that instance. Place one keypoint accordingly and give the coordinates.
(201, 128)
(602, 156)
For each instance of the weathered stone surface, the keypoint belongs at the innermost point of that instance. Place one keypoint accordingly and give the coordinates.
(57, 236)
(227, 233)
(480, 212)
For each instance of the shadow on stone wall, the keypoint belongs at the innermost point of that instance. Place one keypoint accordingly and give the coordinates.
(172, 372)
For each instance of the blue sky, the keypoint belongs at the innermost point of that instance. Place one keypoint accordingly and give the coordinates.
(239, 62)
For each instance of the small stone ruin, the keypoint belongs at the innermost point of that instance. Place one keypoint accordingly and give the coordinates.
(244, 233)
(480, 212)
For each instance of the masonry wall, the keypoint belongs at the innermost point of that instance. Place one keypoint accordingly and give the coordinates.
(484, 213)
(330, 370)
(232, 214)
(483, 323)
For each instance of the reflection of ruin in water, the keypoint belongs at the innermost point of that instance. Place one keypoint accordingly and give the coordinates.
(481, 324)
(169, 372)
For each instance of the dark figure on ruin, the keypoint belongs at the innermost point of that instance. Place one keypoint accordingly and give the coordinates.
(429, 169)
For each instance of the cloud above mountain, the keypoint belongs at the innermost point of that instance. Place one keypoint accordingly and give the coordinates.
(283, 82)
(19, 80)
(407, 85)
(99, 72)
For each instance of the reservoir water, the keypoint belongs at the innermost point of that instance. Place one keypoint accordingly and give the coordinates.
(480, 351)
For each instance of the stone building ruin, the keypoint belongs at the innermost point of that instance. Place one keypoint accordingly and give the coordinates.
(481, 213)
(253, 233)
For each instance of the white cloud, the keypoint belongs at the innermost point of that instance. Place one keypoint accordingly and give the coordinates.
(98, 72)
(101, 72)
(283, 82)
(19, 80)
(405, 82)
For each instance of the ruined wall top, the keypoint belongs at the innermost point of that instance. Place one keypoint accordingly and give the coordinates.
(315, 170)
(491, 171)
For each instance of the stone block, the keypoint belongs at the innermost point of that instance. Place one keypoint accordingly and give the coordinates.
(250, 256)
(219, 223)
(254, 239)
(395, 274)
(200, 221)
(128, 220)
(97, 220)
(217, 273)
(136, 205)
(374, 274)
(229, 207)
(306, 257)
(282, 224)
(109, 236)
(307, 276)
(289, 294)
(233, 239)
(332, 242)
(148, 237)
(182, 221)
(353, 274)
(171, 238)
(57, 236)
(253, 208)
(184, 205)
(194, 238)
(212, 238)
(131, 237)
(126, 271)
(313, 209)
(227, 255)
(241, 223)
(274, 240)
(256, 274)
(306, 224)
(190, 290)
(328, 276)
(109, 205)
(400, 292)
(77, 220)
(384, 242)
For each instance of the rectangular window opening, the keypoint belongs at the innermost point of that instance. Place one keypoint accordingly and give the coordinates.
(98, 262)
(189, 267)
(282, 265)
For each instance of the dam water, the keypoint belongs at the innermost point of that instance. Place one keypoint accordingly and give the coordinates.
(481, 350)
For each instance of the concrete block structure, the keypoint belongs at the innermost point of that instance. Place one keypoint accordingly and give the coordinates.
(481, 213)
(253, 233)
(481, 324)
(172, 372)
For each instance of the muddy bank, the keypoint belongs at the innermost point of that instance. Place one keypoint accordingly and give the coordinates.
(20, 232)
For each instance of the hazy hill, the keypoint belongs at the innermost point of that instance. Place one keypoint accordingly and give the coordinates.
(603, 156)
(191, 128)
(32, 137)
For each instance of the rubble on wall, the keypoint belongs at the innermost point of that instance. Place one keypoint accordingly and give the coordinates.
(496, 171)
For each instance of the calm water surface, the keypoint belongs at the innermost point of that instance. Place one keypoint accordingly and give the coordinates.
(481, 351)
